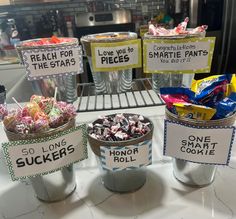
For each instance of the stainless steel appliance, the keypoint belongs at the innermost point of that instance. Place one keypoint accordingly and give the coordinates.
(101, 22)
(119, 20)
(220, 17)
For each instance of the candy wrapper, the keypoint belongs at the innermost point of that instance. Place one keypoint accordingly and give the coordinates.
(226, 107)
(193, 111)
(47, 41)
(179, 31)
(118, 127)
(173, 95)
(209, 98)
(209, 91)
(3, 111)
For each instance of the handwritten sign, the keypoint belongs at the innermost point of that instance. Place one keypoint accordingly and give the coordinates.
(127, 157)
(28, 158)
(116, 56)
(191, 55)
(201, 145)
(51, 62)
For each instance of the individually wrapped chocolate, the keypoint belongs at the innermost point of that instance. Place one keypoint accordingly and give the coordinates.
(118, 127)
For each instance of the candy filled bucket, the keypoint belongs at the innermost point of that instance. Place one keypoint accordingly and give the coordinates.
(190, 173)
(166, 77)
(116, 81)
(121, 179)
(55, 186)
(66, 83)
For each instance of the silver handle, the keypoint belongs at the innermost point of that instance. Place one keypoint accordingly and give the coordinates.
(193, 12)
(226, 34)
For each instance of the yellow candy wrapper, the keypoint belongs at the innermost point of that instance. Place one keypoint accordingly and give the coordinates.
(198, 84)
(233, 84)
(192, 111)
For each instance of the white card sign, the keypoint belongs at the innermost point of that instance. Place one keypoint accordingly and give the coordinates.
(52, 62)
(127, 157)
(200, 145)
(190, 55)
(116, 56)
(29, 158)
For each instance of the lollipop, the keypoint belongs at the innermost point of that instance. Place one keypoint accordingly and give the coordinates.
(46, 104)
(32, 108)
(55, 117)
(25, 125)
(68, 110)
(10, 122)
(41, 125)
(36, 98)
(3, 111)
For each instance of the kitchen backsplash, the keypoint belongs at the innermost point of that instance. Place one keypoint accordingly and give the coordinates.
(45, 19)
(138, 7)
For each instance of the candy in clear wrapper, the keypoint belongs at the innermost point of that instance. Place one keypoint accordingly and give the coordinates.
(46, 105)
(3, 111)
(41, 125)
(181, 30)
(39, 115)
(36, 98)
(55, 118)
(32, 108)
(9, 122)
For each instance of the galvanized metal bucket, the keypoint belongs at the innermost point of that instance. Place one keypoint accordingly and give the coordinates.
(124, 180)
(195, 174)
(170, 79)
(113, 81)
(67, 85)
(54, 186)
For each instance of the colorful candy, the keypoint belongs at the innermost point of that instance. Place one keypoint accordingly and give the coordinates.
(209, 91)
(226, 107)
(176, 95)
(180, 30)
(47, 41)
(39, 115)
(3, 111)
(210, 98)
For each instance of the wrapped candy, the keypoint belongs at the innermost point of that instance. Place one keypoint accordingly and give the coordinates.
(39, 115)
(3, 111)
(47, 41)
(55, 118)
(31, 109)
(173, 95)
(46, 105)
(68, 110)
(36, 98)
(180, 30)
(119, 127)
(10, 122)
(41, 125)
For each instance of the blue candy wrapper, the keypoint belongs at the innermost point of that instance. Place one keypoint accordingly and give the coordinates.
(226, 107)
(211, 90)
